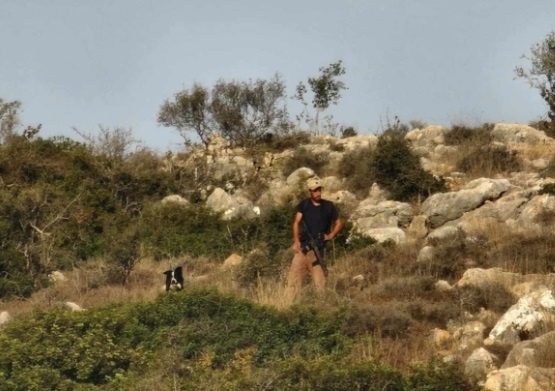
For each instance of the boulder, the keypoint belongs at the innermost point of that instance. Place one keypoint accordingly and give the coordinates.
(520, 378)
(4, 317)
(443, 207)
(528, 318)
(517, 134)
(174, 199)
(232, 261)
(397, 235)
(57, 277)
(469, 337)
(479, 364)
(299, 177)
(74, 307)
(538, 352)
(231, 205)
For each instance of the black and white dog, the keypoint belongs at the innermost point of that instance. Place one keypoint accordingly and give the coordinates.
(174, 279)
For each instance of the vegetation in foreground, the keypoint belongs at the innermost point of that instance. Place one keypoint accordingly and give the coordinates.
(200, 339)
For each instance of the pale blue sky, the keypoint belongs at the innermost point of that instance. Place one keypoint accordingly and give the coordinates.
(85, 63)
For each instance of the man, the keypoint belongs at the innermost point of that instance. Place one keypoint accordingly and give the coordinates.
(316, 221)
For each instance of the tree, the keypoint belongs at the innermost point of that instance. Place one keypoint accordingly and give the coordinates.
(242, 112)
(9, 118)
(189, 111)
(246, 111)
(541, 74)
(326, 90)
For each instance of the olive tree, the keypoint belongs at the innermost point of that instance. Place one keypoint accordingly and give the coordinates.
(241, 112)
(189, 111)
(326, 90)
(541, 73)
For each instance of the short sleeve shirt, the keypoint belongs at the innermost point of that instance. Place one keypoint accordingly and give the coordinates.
(318, 218)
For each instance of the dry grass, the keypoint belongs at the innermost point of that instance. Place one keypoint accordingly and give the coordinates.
(395, 304)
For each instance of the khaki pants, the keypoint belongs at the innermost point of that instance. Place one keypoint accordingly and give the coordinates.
(300, 266)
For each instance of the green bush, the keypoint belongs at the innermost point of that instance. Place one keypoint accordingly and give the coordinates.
(348, 132)
(200, 339)
(169, 231)
(398, 169)
(435, 375)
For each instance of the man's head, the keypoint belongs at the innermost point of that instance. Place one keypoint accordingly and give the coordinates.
(315, 188)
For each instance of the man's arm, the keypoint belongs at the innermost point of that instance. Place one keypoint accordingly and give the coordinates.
(337, 225)
(296, 238)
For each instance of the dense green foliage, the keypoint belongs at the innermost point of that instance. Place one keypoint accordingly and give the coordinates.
(198, 338)
(62, 202)
(398, 170)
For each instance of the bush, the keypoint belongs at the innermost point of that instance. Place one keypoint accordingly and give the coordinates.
(489, 160)
(348, 132)
(280, 143)
(435, 375)
(170, 231)
(461, 135)
(356, 167)
(398, 169)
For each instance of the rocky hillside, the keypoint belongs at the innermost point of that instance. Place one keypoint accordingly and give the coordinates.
(490, 201)
(448, 248)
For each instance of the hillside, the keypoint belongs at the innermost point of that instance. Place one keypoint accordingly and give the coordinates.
(441, 274)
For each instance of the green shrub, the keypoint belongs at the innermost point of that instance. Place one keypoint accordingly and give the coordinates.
(398, 169)
(435, 375)
(169, 231)
(201, 339)
(329, 373)
(348, 132)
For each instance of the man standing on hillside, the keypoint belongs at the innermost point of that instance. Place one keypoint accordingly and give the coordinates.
(316, 222)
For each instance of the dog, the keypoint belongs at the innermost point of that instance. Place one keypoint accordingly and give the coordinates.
(174, 279)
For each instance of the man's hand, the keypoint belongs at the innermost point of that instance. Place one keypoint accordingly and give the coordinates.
(297, 246)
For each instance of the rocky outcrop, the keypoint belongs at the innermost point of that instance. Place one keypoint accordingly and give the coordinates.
(232, 206)
(528, 318)
(443, 207)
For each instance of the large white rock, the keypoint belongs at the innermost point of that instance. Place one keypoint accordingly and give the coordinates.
(529, 317)
(443, 207)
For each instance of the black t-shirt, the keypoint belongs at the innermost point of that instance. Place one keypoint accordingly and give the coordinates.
(318, 219)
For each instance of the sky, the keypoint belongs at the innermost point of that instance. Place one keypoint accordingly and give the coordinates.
(87, 64)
